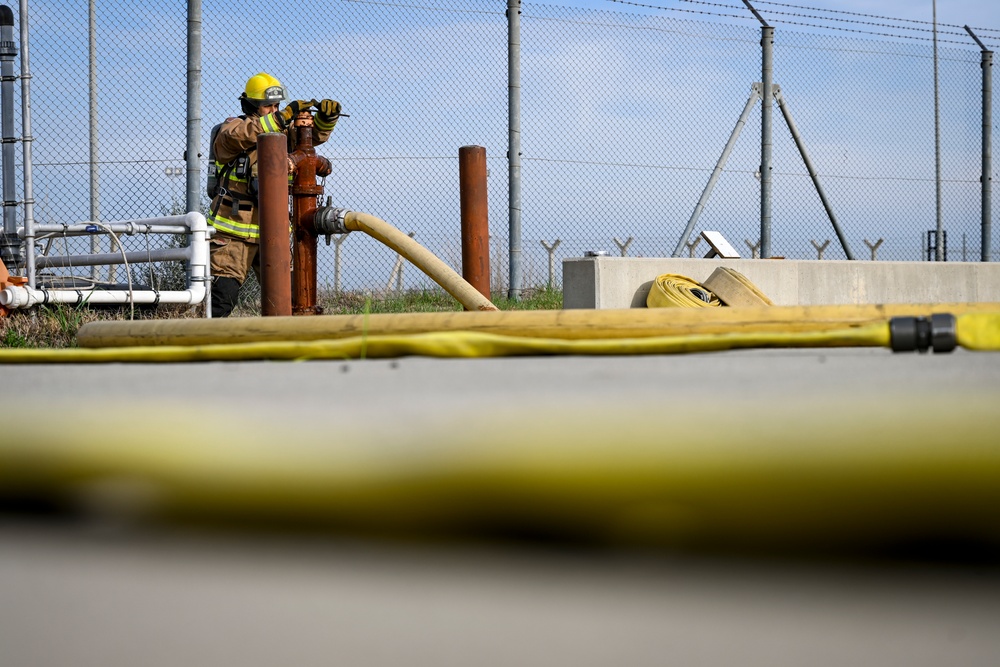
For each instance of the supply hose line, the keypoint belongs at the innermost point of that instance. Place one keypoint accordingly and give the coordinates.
(328, 220)
(974, 331)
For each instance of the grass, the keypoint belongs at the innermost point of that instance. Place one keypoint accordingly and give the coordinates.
(57, 326)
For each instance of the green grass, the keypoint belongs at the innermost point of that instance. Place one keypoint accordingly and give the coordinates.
(57, 326)
(430, 301)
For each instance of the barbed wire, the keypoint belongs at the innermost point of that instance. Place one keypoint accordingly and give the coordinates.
(804, 24)
(874, 16)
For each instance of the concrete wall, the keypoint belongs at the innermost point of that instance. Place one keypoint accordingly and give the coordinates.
(624, 282)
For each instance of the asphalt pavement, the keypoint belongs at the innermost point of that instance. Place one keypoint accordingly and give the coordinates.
(83, 593)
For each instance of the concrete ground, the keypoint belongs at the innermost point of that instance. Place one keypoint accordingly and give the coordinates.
(91, 594)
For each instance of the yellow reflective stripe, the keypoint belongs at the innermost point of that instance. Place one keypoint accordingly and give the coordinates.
(270, 122)
(324, 126)
(234, 227)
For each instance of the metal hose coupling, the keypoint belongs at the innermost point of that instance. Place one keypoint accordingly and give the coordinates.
(937, 332)
(329, 220)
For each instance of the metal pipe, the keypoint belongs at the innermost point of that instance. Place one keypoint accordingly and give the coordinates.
(719, 166)
(514, 144)
(767, 78)
(27, 139)
(193, 153)
(475, 218)
(94, 187)
(786, 112)
(275, 258)
(305, 193)
(10, 249)
(138, 257)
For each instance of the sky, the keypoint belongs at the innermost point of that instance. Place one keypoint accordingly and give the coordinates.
(623, 113)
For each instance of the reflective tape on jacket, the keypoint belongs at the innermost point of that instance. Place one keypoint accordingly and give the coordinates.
(234, 227)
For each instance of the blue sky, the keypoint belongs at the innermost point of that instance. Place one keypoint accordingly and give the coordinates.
(621, 112)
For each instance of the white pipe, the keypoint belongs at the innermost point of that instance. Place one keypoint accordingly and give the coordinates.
(197, 253)
(26, 297)
(90, 229)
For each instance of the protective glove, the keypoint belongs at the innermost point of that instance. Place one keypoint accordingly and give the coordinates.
(328, 110)
(293, 109)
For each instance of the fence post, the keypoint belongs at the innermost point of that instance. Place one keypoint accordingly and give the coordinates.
(26, 141)
(338, 240)
(514, 143)
(938, 247)
(987, 155)
(623, 246)
(193, 153)
(767, 108)
(94, 191)
(552, 259)
(754, 249)
(821, 248)
(691, 246)
(397, 271)
(874, 247)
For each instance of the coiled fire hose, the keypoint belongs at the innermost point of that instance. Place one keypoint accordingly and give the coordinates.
(671, 290)
(735, 289)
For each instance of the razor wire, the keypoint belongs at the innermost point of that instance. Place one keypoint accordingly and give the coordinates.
(625, 113)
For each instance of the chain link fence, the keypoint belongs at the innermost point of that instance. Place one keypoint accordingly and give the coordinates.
(624, 116)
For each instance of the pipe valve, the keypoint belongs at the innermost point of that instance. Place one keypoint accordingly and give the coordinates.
(329, 220)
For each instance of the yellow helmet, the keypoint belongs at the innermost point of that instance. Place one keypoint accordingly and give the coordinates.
(263, 90)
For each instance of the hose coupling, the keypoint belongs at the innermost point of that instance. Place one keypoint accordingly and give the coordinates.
(938, 332)
(329, 220)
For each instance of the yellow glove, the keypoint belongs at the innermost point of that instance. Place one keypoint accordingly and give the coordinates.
(329, 109)
(293, 109)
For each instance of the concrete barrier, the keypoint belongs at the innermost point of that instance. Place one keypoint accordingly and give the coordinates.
(624, 282)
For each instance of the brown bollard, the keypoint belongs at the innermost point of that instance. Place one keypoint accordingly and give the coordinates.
(275, 256)
(475, 218)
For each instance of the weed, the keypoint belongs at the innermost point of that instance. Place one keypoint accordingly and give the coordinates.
(13, 338)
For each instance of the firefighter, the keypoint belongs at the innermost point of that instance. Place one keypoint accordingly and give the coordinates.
(233, 213)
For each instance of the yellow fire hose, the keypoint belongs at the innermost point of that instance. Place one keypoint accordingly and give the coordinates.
(544, 324)
(439, 272)
(973, 330)
(675, 291)
(795, 476)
